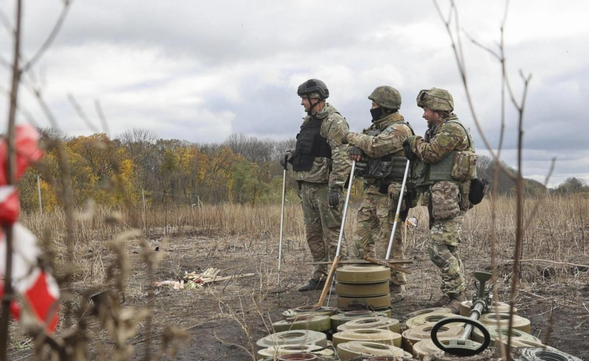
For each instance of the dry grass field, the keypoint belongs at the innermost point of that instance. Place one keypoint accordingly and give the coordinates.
(224, 319)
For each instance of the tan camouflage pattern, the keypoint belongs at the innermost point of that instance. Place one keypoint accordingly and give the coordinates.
(336, 170)
(444, 138)
(445, 232)
(322, 226)
(443, 251)
(445, 200)
(377, 211)
(386, 97)
(374, 224)
(390, 141)
(435, 99)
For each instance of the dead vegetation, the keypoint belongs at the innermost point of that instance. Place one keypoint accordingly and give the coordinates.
(241, 239)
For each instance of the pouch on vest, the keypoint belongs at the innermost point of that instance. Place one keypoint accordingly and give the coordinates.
(379, 168)
(465, 166)
(445, 198)
(465, 203)
(478, 189)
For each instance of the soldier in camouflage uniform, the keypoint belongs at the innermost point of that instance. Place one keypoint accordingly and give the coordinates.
(321, 168)
(446, 164)
(379, 151)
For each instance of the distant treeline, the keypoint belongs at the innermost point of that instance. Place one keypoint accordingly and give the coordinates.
(138, 167)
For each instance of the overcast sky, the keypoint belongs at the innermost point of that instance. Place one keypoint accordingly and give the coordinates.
(202, 70)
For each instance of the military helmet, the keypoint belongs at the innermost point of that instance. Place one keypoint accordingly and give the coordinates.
(386, 97)
(436, 99)
(312, 86)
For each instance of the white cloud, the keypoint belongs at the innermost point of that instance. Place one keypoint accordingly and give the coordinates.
(202, 70)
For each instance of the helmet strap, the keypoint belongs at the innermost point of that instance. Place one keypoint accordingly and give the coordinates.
(310, 112)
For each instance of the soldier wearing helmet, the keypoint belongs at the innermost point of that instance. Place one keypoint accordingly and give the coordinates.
(321, 167)
(381, 163)
(446, 164)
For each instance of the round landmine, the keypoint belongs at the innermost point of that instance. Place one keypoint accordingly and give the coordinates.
(387, 337)
(542, 353)
(518, 338)
(500, 307)
(362, 290)
(298, 357)
(309, 310)
(290, 349)
(349, 350)
(354, 274)
(426, 319)
(382, 323)
(426, 311)
(344, 317)
(489, 354)
(423, 332)
(368, 303)
(502, 320)
(427, 347)
(294, 337)
(309, 322)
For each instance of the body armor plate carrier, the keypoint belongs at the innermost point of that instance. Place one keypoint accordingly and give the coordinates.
(310, 144)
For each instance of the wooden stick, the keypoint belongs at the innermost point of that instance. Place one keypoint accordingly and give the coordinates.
(361, 261)
(328, 282)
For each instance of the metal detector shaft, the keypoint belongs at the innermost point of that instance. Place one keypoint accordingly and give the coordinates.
(281, 221)
(341, 231)
(336, 259)
(398, 211)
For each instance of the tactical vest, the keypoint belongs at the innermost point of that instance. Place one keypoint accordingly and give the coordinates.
(389, 167)
(427, 174)
(310, 144)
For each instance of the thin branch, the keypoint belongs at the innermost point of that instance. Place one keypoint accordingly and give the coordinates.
(11, 175)
(81, 113)
(51, 37)
(535, 209)
(101, 116)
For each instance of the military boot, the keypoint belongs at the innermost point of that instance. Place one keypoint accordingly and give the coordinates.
(313, 285)
(442, 301)
(397, 292)
(456, 301)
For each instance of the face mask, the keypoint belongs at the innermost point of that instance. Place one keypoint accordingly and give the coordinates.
(376, 114)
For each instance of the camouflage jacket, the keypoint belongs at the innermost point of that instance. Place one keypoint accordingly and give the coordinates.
(442, 139)
(390, 141)
(393, 131)
(334, 171)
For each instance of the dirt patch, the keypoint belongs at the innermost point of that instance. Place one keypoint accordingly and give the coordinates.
(225, 319)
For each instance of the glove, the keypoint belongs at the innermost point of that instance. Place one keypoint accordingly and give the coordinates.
(286, 157)
(407, 149)
(355, 153)
(345, 138)
(333, 196)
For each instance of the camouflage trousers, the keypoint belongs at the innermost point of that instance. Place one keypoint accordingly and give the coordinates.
(374, 224)
(322, 226)
(443, 251)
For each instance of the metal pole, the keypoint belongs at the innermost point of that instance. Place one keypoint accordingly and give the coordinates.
(341, 231)
(336, 259)
(39, 192)
(144, 210)
(398, 212)
(281, 221)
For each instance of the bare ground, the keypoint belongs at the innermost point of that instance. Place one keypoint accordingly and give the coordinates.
(225, 319)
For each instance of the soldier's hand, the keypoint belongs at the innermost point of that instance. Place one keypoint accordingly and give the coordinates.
(344, 139)
(333, 196)
(285, 158)
(355, 153)
(408, 151)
